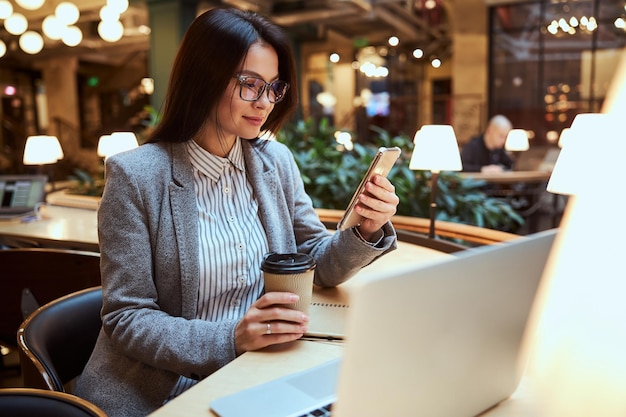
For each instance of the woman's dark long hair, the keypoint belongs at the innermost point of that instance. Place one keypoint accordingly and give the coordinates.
(210, 54)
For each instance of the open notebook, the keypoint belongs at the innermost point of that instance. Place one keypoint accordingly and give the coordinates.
(20, 194)
(441, 340)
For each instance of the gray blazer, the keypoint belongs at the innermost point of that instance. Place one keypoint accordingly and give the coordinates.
(148, 232)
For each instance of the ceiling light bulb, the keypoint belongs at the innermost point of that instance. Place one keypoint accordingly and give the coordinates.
(30, 4)
(111, 30)
(31, 42)
(108, 13)
(16, 24)
(120, 6)
(72, 36)
(52, 27)
(3, 48)
(67, 13)
(6, 9)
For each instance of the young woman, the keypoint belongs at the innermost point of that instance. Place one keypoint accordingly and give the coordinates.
(186, 219)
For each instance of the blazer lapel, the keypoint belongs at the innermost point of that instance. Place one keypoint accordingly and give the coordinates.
(185, 219)
(264, 180)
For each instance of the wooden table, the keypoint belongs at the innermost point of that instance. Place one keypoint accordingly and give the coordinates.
(509, 177)
(254, 368)
(59, 227)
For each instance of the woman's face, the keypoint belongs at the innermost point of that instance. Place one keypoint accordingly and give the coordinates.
(238, 117)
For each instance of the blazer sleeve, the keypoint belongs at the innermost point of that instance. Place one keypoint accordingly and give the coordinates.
(340, 254)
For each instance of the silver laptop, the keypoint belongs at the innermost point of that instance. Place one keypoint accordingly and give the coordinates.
(441, 340)
(20, 194)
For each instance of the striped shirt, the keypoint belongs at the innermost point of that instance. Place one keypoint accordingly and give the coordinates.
(232, 239)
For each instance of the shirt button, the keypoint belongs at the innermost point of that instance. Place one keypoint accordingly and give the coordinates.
(240, 246)
(227, 190)
(242, 279)
(235, 303)
(231, 219)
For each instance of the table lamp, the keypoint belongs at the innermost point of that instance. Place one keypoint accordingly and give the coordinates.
(116, 142)
(577, 364)
(516, 142)
(42, 150)
(588, 148)
(436, 149)
(563, 137)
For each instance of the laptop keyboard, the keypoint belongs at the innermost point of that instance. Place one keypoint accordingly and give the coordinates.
(324, 411)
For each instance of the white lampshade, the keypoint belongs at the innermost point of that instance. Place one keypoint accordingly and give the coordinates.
(436, 149)
(42, 149)
(595, 147)
(564, 136)
(577, 363)
(115, 143)
(517, 140)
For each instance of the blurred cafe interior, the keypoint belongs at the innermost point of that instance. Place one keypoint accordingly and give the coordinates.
(85, 71)
(389, 63)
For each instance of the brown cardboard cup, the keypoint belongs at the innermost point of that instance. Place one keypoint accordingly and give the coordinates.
(290, 272)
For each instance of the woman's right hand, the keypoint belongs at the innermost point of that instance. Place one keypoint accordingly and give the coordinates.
(267, 322)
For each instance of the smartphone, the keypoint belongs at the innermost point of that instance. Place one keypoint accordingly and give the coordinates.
(381, 164)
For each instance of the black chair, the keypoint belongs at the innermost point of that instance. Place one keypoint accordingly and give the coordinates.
(32, 277)
(32, 402)
(57, 339)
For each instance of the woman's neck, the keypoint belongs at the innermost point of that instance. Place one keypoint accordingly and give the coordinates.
(214, 143)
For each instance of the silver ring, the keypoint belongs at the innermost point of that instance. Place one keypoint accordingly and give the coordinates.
(269, 329)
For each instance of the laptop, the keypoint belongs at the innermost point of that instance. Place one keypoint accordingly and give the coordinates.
(20, 194)
(441, 340)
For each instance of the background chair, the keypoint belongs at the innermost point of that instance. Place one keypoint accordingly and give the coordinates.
(31, 402)
(57, 339)
(35, 276)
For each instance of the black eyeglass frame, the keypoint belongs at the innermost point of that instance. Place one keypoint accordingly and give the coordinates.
(242, 80)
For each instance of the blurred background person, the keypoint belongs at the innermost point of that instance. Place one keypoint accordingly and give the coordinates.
(485, 152)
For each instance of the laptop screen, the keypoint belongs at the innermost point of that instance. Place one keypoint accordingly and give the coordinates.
(21, 193)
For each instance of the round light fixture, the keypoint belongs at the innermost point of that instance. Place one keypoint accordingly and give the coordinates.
(30, 4)
(111, 30)
(3, 48)
(72, 36)
(108, 13)
(52, 27)
(31, 42)
(16, 24)
(6, 9)
(67, 13)
(120, 6)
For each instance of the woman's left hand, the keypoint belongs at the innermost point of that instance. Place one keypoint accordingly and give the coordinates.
(377, 205)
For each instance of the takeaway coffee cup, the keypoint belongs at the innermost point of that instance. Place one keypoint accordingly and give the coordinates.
(290, 272)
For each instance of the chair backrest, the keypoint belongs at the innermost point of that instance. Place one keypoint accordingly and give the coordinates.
(32, 402)
(32, 277)
(57, 339)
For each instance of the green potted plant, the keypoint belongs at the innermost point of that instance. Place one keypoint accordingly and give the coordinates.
(331, 172)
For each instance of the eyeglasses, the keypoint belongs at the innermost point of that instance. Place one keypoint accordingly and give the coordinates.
(251, 88)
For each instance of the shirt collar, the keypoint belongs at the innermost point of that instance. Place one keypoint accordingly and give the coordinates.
(212, 165)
